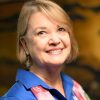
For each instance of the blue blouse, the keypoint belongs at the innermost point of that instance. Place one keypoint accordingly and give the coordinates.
(25, 80)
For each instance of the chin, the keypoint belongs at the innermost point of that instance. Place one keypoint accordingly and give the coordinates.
(56, 63)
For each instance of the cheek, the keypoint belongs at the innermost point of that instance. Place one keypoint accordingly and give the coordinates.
(67, 40)
(37, 51)
(37, 45)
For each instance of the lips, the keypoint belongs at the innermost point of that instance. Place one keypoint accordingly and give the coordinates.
(55, 51)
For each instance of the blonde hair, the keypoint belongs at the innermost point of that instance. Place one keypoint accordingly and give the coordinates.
(52, 10)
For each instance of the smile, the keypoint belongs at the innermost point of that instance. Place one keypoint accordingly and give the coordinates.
(55, 51)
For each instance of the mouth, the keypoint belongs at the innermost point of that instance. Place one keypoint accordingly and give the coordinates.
(55, 51)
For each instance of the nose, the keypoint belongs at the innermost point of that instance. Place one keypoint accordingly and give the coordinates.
(54, 40)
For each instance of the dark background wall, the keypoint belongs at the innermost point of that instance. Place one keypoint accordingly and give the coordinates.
(85, 15)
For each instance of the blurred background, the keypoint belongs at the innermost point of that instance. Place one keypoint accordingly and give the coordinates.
(85, 15)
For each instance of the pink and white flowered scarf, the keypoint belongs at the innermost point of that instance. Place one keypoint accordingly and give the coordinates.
(43, 94)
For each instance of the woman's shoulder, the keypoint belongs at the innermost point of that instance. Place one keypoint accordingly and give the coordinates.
(9, 98)
(17, 92)
(77, 90)
(14, 92)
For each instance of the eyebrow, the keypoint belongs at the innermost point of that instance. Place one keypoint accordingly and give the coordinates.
(40, 27)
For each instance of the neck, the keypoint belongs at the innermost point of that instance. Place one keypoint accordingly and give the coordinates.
(51, 77)
(48, 73)
(48, 76)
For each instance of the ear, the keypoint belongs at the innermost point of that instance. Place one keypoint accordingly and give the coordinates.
(23, 43)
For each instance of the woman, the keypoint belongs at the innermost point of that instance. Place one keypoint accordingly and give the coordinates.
(45, 42)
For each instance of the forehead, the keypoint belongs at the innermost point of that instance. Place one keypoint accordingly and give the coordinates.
(39, 18)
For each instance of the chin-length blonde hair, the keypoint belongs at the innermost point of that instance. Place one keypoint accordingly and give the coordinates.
(51, 10)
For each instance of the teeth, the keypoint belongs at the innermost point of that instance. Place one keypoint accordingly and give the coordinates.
(55, 51)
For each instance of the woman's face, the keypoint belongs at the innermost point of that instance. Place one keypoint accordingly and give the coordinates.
(47, 40)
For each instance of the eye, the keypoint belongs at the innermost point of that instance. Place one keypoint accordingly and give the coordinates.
(41, 33)
(61, 29)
